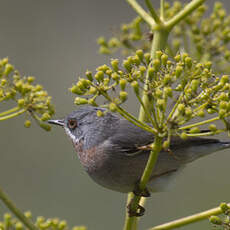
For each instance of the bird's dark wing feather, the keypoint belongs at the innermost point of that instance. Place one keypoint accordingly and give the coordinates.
(128, 138)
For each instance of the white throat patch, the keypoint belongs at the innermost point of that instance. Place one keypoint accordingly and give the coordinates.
(72, 137)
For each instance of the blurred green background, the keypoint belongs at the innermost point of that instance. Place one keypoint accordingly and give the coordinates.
(55, 41)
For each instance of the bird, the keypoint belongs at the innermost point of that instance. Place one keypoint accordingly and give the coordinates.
(110, 148)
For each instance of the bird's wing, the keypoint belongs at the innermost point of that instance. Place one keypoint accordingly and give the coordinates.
(129, 138)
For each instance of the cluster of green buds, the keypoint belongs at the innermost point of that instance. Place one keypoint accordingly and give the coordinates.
(179, 90)
(131, 37)
(41, 223)
(208, 37)
(30, 99)
(224, 221)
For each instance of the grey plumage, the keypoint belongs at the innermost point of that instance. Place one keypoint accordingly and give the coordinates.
(108, 149)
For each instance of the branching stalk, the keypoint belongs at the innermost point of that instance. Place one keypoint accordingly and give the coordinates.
(189, 219)
(12, 115)
(5, 199)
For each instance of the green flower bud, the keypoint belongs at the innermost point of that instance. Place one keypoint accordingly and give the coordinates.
(159, 54)
(104, 50)
(161, 103)
(18, 226)
(45, 117)
(142, 69)
(215, 220)
(211, 111)
(100, 113)
(223, 105)
(92, 90)
(3, 82)
(101, 41)
(113, 107)
(181, 108)
(223, 97)
(91, 101)
(194, 84)
(167, 79)
(128, 65)
(85, 83)
(222, 113)
(178, 70)
(45, 126)
(212, 127)
(184, 136)
(225, 208)
(8, 69)
(158, 93)
(89, 75)
(136, 61)
(135, 86)
(194, 130)
(188, 62)
(28, 214)
(80, 101)
(123, 96)
(147, 57)
(168, 91)
(177, 58)
(156, 64)
(62, 225)
(99, 76)
(30, 79)
(164, 59)
(114, 64)
(21, 102)
(140, 54)
(113, 42)
(166, 145)
(122, 83)
(115, 76)
(224, 79)
(188, 112)
(151, 72)
(208, 65)
(75, 89)
(80, 85)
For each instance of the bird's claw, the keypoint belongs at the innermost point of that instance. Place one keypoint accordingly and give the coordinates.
(138, 192)
(135, 213)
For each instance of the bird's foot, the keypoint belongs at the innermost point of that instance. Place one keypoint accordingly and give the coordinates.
(135, 213)
(138, 192)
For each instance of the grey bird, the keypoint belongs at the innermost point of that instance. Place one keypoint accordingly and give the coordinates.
(109, 148)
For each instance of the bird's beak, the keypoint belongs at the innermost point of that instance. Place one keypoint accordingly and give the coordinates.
(56, 122)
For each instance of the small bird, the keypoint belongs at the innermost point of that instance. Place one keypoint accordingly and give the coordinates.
(111, 150)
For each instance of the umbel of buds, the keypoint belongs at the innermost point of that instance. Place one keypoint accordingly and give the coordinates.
(29, 98)
(189, 88)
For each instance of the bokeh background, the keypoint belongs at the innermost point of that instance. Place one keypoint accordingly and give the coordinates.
(55, 41)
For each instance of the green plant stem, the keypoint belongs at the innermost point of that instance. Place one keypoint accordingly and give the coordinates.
(12, 115)
(199, 123)
(131, 222)
(189, 219)
(162, 10)
(153, 12)
(9, 111)
(5, 199)
(159, 43)
(143, 14)
(188, 9)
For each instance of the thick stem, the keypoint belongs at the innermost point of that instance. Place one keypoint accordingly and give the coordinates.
(5, 199)
(159, 43)
(189, 219)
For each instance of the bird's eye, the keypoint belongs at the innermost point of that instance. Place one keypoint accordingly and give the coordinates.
(72, 123)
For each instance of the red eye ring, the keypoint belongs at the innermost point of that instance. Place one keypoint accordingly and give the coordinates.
(72, 123)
